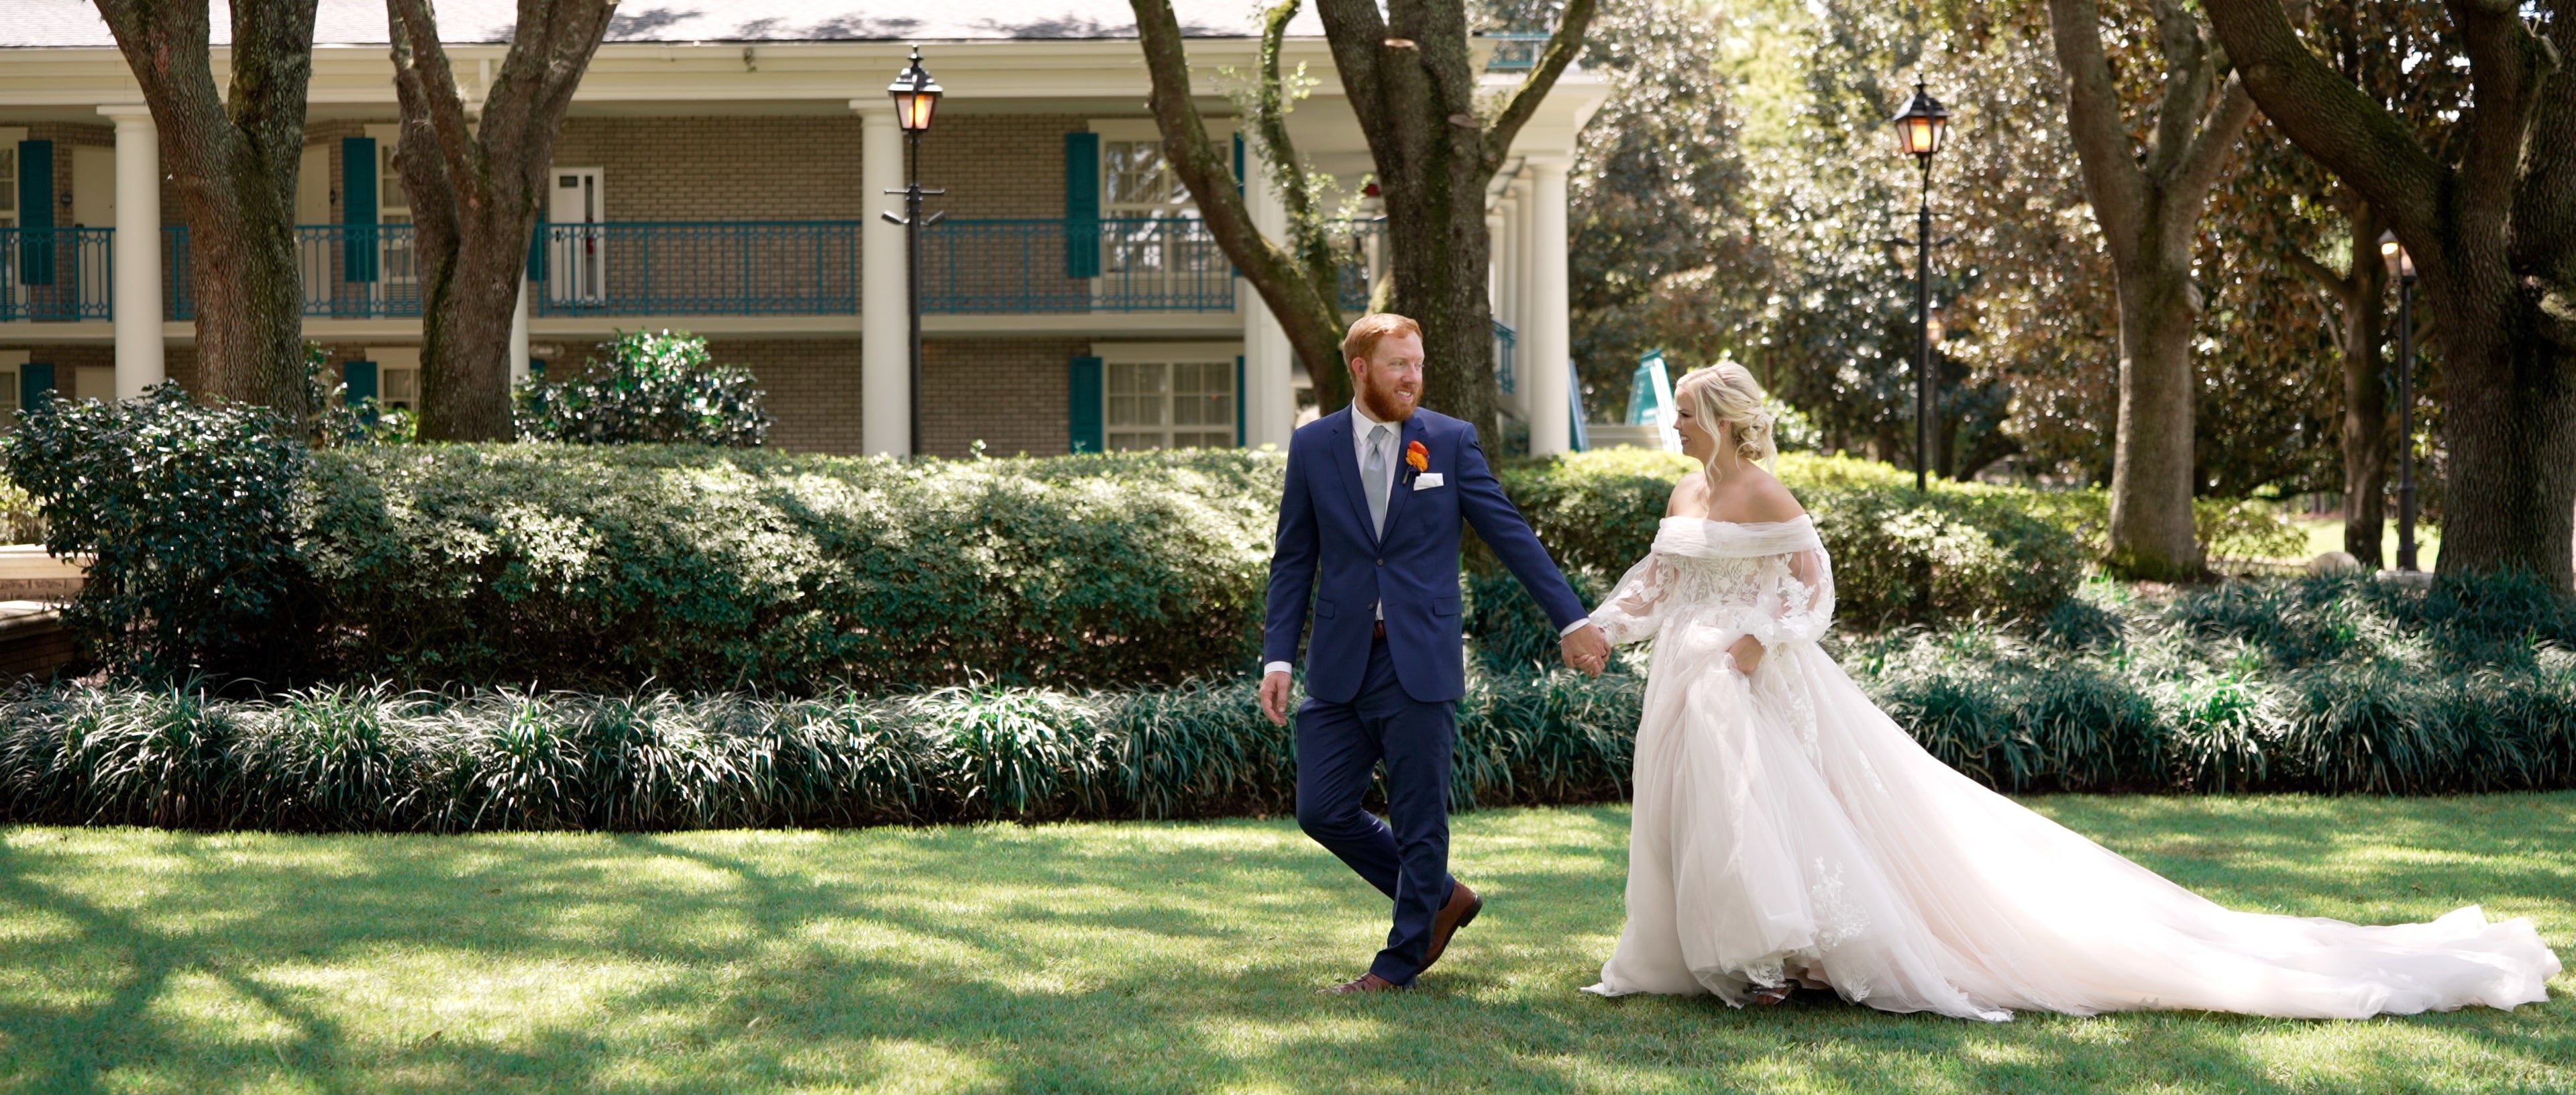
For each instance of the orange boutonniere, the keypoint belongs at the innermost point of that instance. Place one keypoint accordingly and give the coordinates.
(1417, 456)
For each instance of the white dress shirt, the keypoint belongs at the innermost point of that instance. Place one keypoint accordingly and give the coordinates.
(1361, 426)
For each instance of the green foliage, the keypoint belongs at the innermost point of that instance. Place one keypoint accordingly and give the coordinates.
(2336, 684)
(188, 510)
(652, 387)
(372, 758)
(1958, 551)
(596, 568)
(22, 519)
(2330, 685)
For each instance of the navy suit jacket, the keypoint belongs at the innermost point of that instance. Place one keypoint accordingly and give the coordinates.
(1326, 549)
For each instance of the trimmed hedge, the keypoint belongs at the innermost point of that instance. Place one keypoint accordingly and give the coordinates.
(703, 569)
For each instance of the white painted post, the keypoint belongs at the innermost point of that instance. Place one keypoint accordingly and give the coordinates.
(519, 333)
(1269, 363)
(885, 331)
(137, 306)
(1548, 341)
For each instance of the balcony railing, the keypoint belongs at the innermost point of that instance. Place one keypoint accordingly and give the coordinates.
(1506, 376)
(1114, 264)
(626, 268)
(1516, 51)
(56, 274)
(735, 268)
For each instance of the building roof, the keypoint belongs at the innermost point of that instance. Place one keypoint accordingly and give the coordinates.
(76, 24)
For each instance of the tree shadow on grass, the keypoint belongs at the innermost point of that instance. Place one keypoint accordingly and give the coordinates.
(1066, 958)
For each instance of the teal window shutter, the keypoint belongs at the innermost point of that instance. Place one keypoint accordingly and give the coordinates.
(1082, 205)
(35, 213)
(358, 208)
(1238, 165)
(1239, 435)
(35, 384)
(1087, 405)
(537, 251)
(359, 378)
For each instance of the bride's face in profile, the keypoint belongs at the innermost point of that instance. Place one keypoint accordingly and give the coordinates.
(1698, 440)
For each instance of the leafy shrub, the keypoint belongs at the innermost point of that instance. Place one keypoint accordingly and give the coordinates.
(596, 568)
(22, 519)
(2333, 684)
(371, 758)
(189, 512)
(652, 387)
(1898, 556)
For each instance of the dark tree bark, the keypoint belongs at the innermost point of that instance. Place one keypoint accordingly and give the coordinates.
(233, 158)
(475, 191)
(2359, 295)
(2493, 235)
(1297, 280)
(1410, 80)
(2149, 203)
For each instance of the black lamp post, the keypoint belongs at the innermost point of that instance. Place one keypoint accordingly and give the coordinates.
(916, 96)
(2402, 267)
(1920, 128)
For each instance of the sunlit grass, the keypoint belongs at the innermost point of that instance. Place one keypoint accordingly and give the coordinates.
(2326, 534)
(1126, 957)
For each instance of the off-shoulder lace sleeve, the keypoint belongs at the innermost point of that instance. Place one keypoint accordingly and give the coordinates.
(1635, 609)
(1796, 603)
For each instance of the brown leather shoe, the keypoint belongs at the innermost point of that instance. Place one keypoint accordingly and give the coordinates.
(1367, 982)
(1460, 911)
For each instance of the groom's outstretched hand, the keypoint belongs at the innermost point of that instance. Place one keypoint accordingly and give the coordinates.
(1274, 698)
(1587, 649)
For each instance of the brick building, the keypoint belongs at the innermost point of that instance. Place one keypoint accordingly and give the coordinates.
(722, 171)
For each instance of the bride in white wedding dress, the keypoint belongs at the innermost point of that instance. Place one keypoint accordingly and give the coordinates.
(1786, 832)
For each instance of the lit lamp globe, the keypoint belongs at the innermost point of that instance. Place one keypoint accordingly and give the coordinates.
(916, 95)
(2400, 264)
(1922, 125)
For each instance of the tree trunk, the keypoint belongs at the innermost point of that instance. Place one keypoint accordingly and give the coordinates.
(2492, 230)
(2366, 433)
(474, 193)
(2151, 530)
(1412, 84)
(1297, 294)
(233, 158)
(2148, 203)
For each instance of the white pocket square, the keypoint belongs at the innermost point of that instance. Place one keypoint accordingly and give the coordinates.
(1428, 480)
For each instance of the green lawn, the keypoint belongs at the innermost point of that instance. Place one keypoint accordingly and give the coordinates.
(1126, 957)
(2326, 535)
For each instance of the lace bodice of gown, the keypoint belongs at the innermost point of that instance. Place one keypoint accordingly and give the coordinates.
(1769, 579)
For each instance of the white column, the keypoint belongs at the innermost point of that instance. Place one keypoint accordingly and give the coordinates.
(1516, 244)
(1269, 363)
(885, 317)
(1548, 343)
(1498, 290)
(137, 306)
(519, 333)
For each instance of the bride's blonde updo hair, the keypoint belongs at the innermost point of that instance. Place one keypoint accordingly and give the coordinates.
(1725, 392)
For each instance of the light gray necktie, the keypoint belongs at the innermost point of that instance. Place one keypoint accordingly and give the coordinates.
(1373, 477)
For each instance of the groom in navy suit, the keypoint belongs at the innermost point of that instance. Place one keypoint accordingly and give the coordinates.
(1369, 528)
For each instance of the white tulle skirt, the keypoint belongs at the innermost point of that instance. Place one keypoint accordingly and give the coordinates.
(1787, 830)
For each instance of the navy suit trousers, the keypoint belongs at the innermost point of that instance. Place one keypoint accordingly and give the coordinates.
(1338, 745)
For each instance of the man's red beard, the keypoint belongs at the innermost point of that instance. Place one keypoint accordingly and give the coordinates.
(1381, 404)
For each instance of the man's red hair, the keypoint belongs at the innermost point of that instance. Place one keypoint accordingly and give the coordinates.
(1374, 328)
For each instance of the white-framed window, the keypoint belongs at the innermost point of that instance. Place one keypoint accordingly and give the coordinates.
(397, 376)
(393, 207)
(1179, 397)
(8, 179)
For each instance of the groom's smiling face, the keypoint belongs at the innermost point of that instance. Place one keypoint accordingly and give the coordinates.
(1389, 379)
